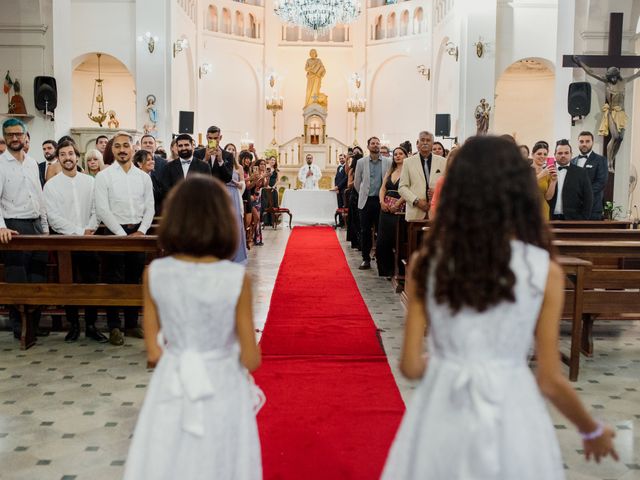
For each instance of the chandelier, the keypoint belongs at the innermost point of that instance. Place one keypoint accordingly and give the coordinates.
(98, 96)
(317, 15)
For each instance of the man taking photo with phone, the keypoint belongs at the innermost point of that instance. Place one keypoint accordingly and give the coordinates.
(220, 161)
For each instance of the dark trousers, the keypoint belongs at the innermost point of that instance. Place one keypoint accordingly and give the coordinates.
(124, 268)
(385, 243)
(25, 267)
(353, 221)
(85, 270)
(557, 217)
(369, 216)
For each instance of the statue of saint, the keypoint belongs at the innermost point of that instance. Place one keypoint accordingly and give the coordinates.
(614, 118)
(482, 117)
(16, 104)
(315, 71)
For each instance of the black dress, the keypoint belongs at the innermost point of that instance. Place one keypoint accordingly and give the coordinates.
(353, 220)
(387, 234)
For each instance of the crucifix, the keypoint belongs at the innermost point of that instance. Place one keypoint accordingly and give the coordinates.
(614, 118)
(315, 134)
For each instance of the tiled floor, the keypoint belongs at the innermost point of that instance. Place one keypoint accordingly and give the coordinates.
(68, 411)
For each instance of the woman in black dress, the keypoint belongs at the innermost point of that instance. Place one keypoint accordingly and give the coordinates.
(353, 220)
(390, 205)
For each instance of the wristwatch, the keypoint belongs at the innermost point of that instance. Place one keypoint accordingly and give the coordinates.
(415, 202)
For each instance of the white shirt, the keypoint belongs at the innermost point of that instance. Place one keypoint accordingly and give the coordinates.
(309, 183)
(583, 160)
(124, 198)
(562, 174)
(70, 201)
(20, 190)
(185, 165)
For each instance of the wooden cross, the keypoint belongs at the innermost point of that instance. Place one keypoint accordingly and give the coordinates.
(614, 57)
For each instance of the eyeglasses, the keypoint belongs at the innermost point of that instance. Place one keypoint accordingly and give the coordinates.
(14, 135)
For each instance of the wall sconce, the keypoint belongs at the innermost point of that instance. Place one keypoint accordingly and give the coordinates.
(481, 47)
(452, 49)
(150, 39)
(179, 45)
(204, 69)
(424, 71)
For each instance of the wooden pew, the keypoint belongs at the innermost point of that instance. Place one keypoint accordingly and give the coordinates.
(408, 239)
(615, 224)
(598, 234)
(23, 295)
(604, 291)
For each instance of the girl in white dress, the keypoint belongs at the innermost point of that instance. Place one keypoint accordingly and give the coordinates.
(485, 286)
(198, 418)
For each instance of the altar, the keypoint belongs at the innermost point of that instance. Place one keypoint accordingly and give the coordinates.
(311, 207)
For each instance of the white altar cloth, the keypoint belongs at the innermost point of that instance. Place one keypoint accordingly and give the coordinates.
(311, 207)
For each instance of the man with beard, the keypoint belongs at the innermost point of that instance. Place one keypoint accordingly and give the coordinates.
(186, 164)
(70, 202)
(22, 211)
(220, 161)
(124, 203)
(597, 170)
(49, 152)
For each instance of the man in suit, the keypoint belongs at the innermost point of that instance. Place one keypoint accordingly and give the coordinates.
(148, 143)
(49, 152)
(340, 183)
(597, 170)
(186, 164)
(220, 162)
(367, 182)
(573, 197)
(419, 175)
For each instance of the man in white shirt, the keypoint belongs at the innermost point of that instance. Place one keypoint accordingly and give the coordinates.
(70, 202)
(124, 203)
(22, 211)
(309, 174)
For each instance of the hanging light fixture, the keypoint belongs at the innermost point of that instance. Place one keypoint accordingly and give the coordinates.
(318, 16)
(98, 97)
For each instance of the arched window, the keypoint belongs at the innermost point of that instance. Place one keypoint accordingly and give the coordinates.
(226, 21)
(418, 20)
(378, 32)
(404, 23)
(391, 25)
(252, 28)
(212, 19)
(239, 30)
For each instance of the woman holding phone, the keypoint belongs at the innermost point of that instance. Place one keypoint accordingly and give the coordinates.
(546, 174)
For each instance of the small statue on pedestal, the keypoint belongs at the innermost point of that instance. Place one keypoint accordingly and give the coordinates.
(16, 104)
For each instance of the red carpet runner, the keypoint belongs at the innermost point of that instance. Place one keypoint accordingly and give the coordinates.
(332, 404)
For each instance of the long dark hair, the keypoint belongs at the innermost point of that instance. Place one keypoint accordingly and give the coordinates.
(489, 198)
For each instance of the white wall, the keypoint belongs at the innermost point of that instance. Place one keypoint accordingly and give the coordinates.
(524, 104)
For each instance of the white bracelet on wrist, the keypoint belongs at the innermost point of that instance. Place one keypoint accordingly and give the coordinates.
(595, 434)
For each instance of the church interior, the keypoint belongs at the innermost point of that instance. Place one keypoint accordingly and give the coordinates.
(297, 100)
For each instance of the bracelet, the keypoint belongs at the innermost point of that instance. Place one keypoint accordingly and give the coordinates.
(595, 434)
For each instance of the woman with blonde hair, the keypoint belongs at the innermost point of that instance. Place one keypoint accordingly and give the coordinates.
(93, 162)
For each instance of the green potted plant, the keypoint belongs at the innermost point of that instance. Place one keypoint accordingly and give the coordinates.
(612, 211)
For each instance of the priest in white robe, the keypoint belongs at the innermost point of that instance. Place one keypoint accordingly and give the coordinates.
(309, 174)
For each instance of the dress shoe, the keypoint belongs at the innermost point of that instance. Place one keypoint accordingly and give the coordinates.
(136, 332)
(116, 337)
(93, 333)
(365, 265)
(74, 334)
(17, 334)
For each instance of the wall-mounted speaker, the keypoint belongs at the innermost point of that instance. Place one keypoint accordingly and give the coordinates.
(443, 124)
(45, 94)
(579, 99)
(185, 122)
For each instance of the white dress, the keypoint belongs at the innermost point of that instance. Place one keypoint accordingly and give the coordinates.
(478, 413)
(198, 419)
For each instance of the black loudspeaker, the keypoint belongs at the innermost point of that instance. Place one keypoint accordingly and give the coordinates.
(185, 122)
(443, 124)
(45, 94)
(579, 99)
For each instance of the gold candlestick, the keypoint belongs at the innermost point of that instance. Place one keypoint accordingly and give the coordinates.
(356, 106)
(274, 105)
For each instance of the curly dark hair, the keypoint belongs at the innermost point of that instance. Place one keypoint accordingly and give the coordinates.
(490, 197)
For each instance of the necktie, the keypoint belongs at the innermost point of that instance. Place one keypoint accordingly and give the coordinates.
(185, 162)
(583, 156)
(563, 168)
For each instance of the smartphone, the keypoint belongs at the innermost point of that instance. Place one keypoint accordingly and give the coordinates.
(551, 162)
(213, 144)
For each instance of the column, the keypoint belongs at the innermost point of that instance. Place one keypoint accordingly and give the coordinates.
(62, 68)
